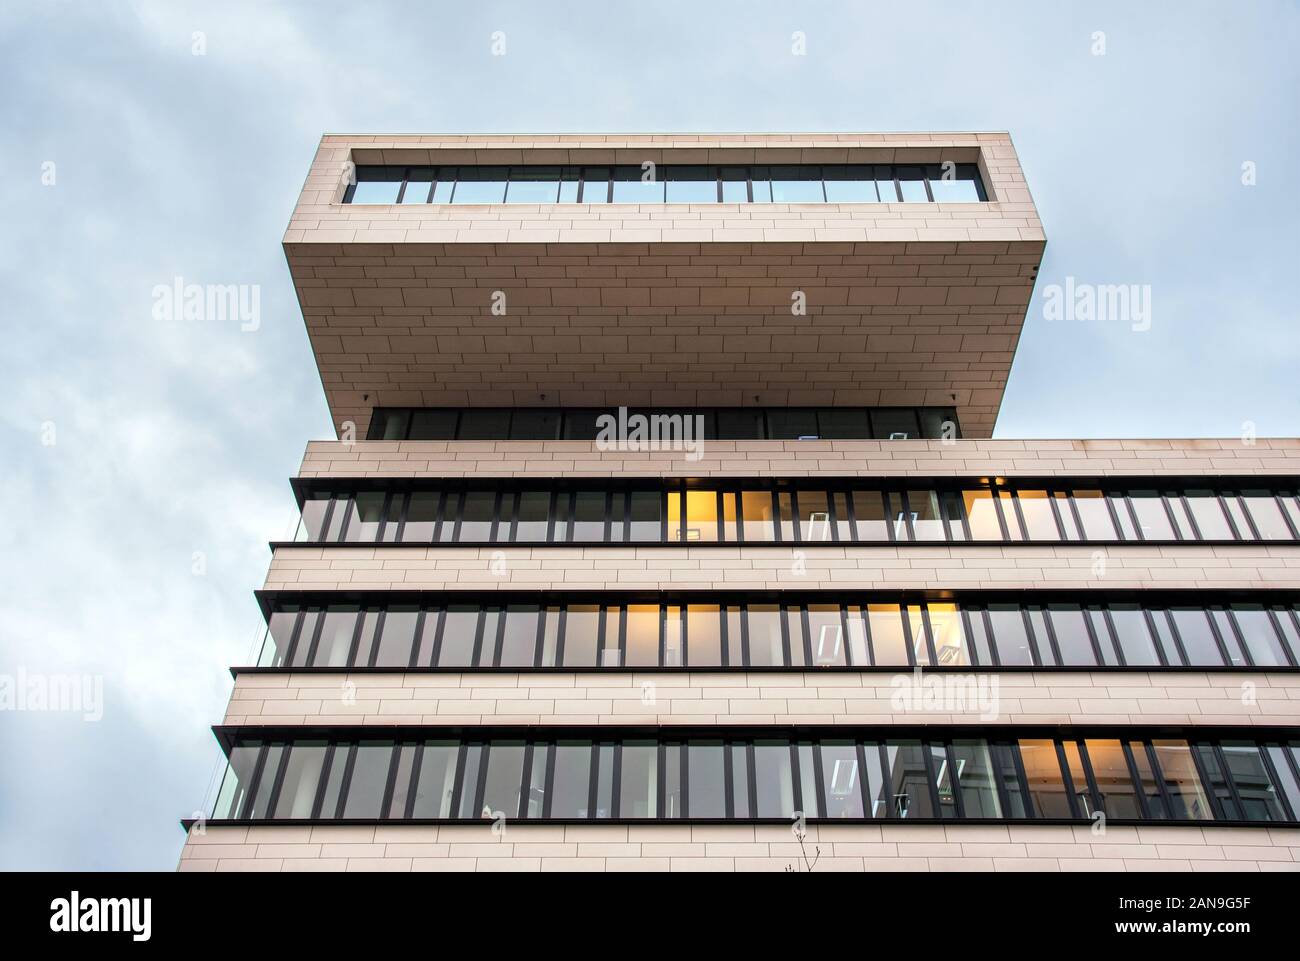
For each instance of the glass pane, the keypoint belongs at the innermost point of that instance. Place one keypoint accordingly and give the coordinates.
(756, 512)
(469, 781)
(774, 779)
(957, 190)
(1258, 794)
(419, 183)
(1046, 784)
(927, 522)
(797, 185)
(850, 185)
(1114, 782)
(844, 423)
(735, 185)
(943, 781)
(738, 423)
(1208, 515)
(460, 624)
(369, 779)
(397, 638)
(948, 632)
(1147, 782)
(791, 424)
(1135, 640)
(869, 514)
(1036, 510)
(706, 789)
(979, 793)
(672, 781)
(1094, 515)
(530, 520)
(1152, 520)
(1270, 523)
(981, 514)
(1223, 624)
(476, 516)
(1072, 635)
(826, 634)
(841, 779)
(1261, 639)
(301, 778)
(704, 635)
(645, 517)
(911, 185)
(894, 423)
(642, 635)
(505, 772)
(639, 780)
(581, 634)
(367, 514)
(279, 633)
(421, 517)
(702, 516)
(366, 638)
(377, 185)
(519, 642)
(1278, 755)
(908, 783)
(533, 185)
(888, 640)
(673, 647)
(570, 790)
(1182, 781)
(433, 424)
(233, 795)
(766, 647)
(480, 185)
(885, 184)
(814, 516)
(402, 781)
(1009, 635)
(338, 625)
(589, 516)
(692, 185)
(730, 518)
(595, 185)
(634, 185)
(1198, 640)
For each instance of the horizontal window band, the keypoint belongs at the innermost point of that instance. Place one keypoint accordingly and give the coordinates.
(756, 545)
(227, 734)
(706, 423)
(187, 823)
(305, 485)
(679, 631)
(654, 183)
(267, 597)
(867, 774)
(1102, 669)
(682, 514)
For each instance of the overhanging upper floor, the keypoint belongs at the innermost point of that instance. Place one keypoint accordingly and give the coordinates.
(875, 302)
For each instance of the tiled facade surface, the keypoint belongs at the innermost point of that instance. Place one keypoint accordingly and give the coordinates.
(805, 458)
(794, 697)
(666, 304)
(793, 567)
(740, 847)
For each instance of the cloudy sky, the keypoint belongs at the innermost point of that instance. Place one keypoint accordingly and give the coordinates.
(146, 461)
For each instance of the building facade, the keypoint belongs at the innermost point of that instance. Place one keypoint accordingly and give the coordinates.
(664, 531)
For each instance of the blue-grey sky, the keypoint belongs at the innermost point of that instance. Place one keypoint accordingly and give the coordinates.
(131, 445)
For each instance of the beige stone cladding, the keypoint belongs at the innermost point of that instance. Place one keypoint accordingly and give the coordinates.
(740, 847)
(845, 698)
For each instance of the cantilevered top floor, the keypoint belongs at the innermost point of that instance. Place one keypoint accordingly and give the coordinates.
(662, 270)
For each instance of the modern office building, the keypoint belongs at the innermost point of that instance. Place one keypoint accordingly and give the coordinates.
(664, 531)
